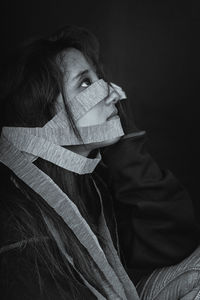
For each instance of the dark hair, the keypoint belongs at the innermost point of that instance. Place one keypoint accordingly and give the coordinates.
(31, 78)
(32, 82)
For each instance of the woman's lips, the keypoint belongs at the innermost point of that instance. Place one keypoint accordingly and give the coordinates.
(113, 117)
(113, 114)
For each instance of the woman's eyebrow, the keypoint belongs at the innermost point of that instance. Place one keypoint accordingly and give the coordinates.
(80, 74)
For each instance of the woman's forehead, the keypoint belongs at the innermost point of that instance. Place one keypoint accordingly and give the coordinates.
(75, 62)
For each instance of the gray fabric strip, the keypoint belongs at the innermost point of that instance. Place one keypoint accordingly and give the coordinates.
(113, 257)
(108, 291)
(56, 154)
(59, 120)
(64, 135)
(53, 195)
(69, 258)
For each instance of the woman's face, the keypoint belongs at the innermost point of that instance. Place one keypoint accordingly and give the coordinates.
(79, 75)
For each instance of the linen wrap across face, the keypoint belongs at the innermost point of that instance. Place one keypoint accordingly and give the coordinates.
(20, 146)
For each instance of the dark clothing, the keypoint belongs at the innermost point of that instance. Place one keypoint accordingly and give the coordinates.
(154, 214)
(19, 261)
(19, 280)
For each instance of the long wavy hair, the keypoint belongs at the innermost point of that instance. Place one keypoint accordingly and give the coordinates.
(32, 81)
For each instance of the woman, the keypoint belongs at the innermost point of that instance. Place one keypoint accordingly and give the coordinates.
(72, 227)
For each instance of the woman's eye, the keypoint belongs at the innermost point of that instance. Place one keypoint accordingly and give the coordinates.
(86, 82)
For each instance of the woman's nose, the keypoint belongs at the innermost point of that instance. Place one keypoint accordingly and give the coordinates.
(113, 98)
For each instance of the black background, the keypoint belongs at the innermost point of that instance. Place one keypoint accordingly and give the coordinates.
(151, 49)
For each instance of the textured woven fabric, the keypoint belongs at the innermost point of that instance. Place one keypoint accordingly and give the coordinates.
(56, 154)
(61, 134)
(181, 281)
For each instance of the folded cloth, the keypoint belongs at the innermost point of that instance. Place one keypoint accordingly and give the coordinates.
(180, 281)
